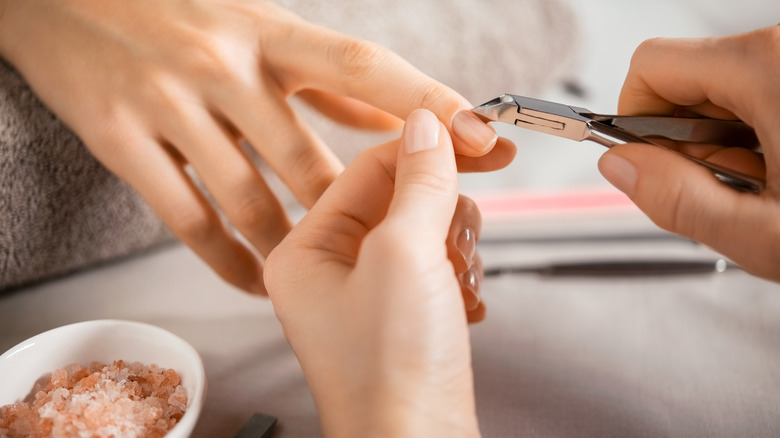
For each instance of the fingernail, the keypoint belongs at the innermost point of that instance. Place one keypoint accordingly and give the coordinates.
(620, 172)
(421, 131)
(467, 246)
(469, 280)
(473, 131)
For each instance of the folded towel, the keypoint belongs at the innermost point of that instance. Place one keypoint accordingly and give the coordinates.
(61, 210)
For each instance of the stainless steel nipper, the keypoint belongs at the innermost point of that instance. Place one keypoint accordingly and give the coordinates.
(581, 124)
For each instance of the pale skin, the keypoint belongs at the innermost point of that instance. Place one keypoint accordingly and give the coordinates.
(153, 86)
(729, 77)
(370, 300)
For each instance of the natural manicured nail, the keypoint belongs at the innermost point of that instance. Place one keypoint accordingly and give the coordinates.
(469, 280)
(467, 246)
(473, 131)
(619, 172)
(421, 131)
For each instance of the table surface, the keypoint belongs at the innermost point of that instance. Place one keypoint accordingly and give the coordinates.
(675, 356)
(688, 356)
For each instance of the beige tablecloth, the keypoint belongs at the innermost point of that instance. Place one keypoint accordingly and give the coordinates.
(695, 356)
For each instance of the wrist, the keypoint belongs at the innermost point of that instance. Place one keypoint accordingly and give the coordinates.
(394, 413)
(425, 421)
(391, 422)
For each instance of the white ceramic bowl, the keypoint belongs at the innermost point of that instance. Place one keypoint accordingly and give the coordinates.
(104, 341)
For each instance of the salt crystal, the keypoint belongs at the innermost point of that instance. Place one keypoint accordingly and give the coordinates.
(119, 400)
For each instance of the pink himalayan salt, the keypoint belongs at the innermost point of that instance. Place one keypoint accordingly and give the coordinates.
(99, 401)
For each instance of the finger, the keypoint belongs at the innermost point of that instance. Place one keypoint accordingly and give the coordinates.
(724, 77)
(686, 199)
(740, 159)
(295, 153)
(229, 176)
(352, 206)
(162, 182)
(462, 250)
(370, 177)
(425, 180)
(499, 157)
(373, 74)
(351, 112)
(478, 314)
(471, 284)
(652, 88)
(464, 234)
(358, 200)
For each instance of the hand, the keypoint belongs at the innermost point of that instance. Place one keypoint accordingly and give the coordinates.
(155, 86)
(731, 77)
(369, 299)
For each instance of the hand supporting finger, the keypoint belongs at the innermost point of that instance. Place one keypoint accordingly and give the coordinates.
(426, 179)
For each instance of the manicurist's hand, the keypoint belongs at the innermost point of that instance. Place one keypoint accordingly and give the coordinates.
(373, 307)
(731, 77)
(152, 86)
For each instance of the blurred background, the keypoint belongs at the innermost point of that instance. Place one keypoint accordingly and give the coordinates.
(554, 181)
(569, 51)
(608, 32)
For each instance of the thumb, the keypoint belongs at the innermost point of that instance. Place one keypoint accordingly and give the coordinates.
(686, 199)
(426, 185)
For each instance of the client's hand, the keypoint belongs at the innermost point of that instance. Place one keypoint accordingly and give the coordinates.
(732, 77)
(153, 85)
(370, 301)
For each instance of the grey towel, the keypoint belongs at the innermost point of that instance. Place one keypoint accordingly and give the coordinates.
(61, 210)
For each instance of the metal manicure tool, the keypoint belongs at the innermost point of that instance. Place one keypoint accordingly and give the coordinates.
(580, 124)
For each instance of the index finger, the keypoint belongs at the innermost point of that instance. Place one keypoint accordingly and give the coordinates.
(716, 77)
(331, 61)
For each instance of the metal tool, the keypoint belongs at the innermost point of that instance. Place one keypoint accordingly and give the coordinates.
(581, 124)
(616, 268)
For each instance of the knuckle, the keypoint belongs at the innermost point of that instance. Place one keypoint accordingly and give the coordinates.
(160, 91)
(646, 48)
(256, 213)
(431, 97)
(194, 225)
(356, 58)
(316, 173)
(111, 139)
(210, 60)
(209, 63)
(429, 184)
